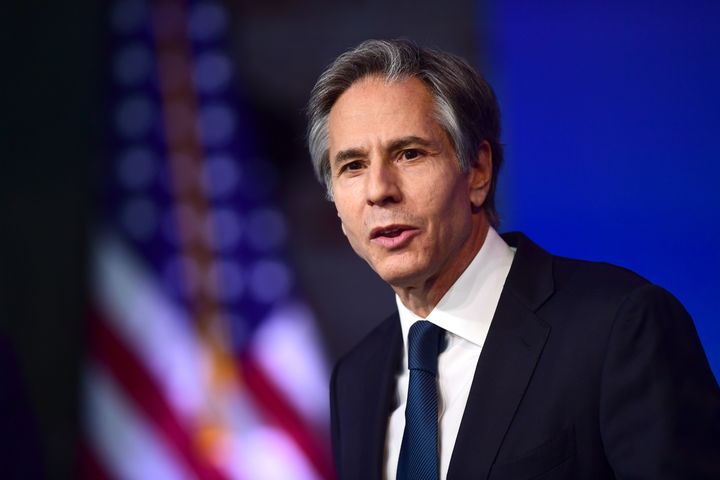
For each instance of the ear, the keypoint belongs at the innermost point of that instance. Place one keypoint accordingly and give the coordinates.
(480, 176)
(342, 225)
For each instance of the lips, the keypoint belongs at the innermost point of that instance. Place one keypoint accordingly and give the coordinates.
(393, 236)
(388, 231)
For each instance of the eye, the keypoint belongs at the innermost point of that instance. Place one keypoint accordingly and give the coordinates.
(351, 166)
(410, 154)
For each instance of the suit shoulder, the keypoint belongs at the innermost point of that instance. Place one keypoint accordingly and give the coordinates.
(597, 277)
(377, 341)
(539, 277)
(596, 292)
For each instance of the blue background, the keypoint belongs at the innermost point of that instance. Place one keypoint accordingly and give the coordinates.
(612, 129)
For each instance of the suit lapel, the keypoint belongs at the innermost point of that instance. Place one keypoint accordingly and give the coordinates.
(511, 351)
(374, 397)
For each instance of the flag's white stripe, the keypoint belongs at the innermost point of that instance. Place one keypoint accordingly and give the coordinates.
(266, 453)
(160, 335)
(125, 442)
(158, 331)
(287, 348)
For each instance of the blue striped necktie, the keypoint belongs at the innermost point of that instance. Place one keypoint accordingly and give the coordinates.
(419, 450)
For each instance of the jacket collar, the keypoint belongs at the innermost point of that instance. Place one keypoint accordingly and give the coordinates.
(371, 400)
(531, 275)
(513, 346)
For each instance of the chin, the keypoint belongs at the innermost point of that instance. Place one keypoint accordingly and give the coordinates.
(399, 275)
(399, 269)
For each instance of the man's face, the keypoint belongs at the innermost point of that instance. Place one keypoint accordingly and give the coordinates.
(405, 206)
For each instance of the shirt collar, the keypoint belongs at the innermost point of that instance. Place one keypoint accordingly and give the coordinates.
(468, 306)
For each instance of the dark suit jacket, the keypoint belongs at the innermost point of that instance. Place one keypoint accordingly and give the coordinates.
(588, 372)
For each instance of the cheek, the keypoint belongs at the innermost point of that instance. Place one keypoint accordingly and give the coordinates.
(350, 227)
(354, 239)
(450, 213)
(349, 212)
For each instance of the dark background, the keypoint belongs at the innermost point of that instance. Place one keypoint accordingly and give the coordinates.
(611, 118)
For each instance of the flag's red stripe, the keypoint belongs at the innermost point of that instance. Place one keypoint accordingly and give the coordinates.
(108, 348)
(278, 408)
(90, 467)
(268, 397)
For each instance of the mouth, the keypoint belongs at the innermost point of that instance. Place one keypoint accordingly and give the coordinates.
(393, 236)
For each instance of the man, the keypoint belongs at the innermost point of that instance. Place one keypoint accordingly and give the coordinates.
(542, 367)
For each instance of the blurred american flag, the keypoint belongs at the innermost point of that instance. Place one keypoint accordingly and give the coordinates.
(204, 363)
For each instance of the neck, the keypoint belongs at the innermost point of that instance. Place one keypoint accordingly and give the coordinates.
(421, 298)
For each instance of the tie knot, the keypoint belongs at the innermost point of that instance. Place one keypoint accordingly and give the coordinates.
(425, 341)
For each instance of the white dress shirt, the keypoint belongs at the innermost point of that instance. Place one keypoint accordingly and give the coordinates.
(465, 312)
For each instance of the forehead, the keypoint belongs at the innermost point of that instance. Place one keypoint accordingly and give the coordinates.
(375, 110)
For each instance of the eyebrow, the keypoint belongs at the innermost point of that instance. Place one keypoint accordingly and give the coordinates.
(393, 146)
(403, 142)
(349, 154)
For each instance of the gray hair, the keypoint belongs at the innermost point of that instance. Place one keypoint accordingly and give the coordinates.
(466, 106)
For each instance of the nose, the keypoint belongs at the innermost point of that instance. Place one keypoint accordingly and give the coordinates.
(382, 184)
